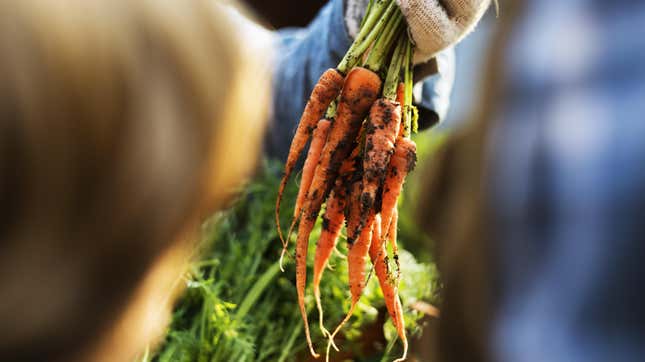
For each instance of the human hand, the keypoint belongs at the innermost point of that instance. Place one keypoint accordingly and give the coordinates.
(434, 24)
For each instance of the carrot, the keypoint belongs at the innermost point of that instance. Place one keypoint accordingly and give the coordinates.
(338, 201)
(325, 91)
(400, 97)
(389, 286)
(361, 87)
(315, 149)
(401, 163)
(304, 229)
(318, 140)
(353, 210)
(382, 128)
(360, 91)
(356, 258)
(378, 256)
(391, 235)
(332, 222)
(400, 328)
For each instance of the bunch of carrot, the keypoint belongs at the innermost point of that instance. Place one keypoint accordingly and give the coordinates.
(359, 118)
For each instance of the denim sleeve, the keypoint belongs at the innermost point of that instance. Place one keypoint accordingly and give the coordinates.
(303, 54)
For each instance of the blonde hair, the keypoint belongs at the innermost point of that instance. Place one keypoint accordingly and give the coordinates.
(122, 122)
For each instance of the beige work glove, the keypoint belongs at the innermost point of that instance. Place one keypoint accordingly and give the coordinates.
(434, 24)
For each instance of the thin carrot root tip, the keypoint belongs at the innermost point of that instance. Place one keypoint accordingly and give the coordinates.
(282, 260)
(405, 352)
(323, 330)
(340, 326)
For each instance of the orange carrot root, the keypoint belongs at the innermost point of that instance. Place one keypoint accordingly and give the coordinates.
(391, 236)
(317, 142)
(381, 131)
(399, 322)
(325, 91)
(378, 256)
(360, 91)
(400, 97)
(315, 149)
(331, 225)
(356, 259)
(401, 163)
(400, 326)
(304, 230)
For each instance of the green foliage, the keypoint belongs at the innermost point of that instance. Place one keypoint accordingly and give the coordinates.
(238, 306)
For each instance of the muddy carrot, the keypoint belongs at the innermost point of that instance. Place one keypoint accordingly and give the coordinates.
(400, 327)
(400, 97)
(378, 256)
(315, 149)
(360, 91)
(332, 222)
(356, 259)
(381, 131)
(391, 236)
(317, 142)
(389, 284)
(325, 91)
(304, 229)
(401, 163)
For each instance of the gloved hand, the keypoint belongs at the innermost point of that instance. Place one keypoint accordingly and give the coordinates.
(434, 24)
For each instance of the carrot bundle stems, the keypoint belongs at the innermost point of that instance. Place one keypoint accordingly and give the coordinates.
(390, 88)
(410, 124)
(383, 44)
(367, 13)
(372, 25)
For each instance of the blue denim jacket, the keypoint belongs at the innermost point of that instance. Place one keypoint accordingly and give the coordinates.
(303, 54)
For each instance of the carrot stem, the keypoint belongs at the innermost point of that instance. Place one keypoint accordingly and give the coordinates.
(393, 73)
(367, 13)
(371, 27)
(409, 83)
(383, 45)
